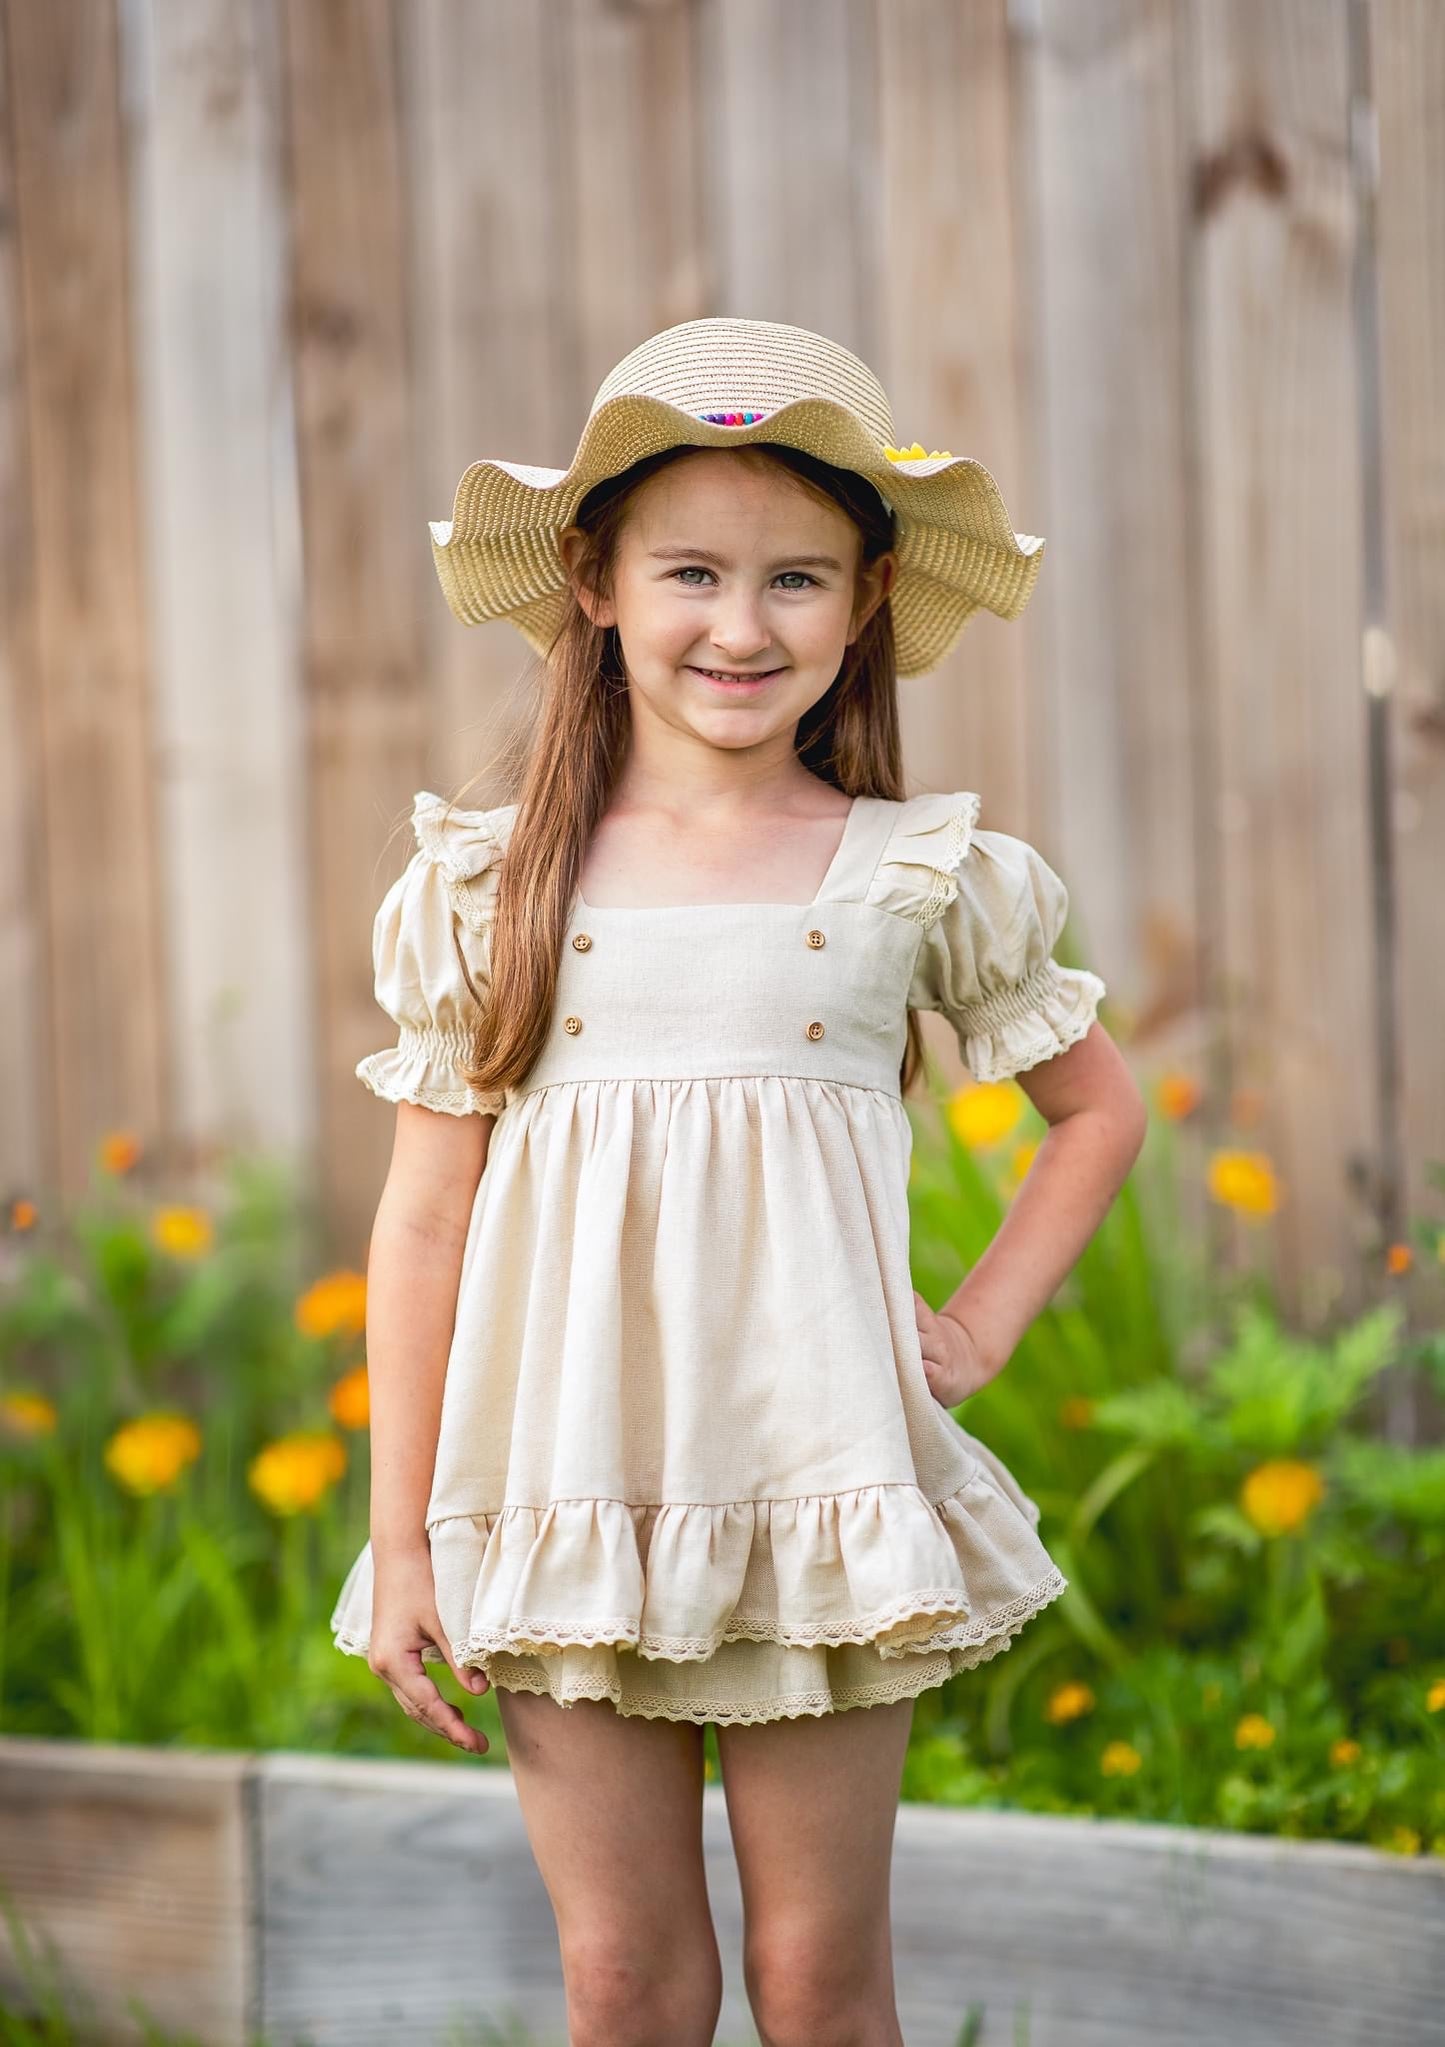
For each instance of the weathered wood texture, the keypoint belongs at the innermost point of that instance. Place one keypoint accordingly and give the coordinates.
(272, 273)
(359, 1903)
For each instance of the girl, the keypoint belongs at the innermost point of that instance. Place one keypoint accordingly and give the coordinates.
(661, 1430)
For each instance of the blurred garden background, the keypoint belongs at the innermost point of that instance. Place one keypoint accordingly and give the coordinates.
(271, 274)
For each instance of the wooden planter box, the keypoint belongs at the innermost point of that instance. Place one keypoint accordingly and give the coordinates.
(353, 1903)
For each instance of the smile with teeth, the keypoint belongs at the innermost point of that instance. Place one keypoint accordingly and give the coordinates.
(736, 675)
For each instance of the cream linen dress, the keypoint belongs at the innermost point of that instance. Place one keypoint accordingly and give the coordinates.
(688, 1460)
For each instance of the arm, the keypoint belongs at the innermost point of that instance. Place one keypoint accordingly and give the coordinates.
(413, 1269)
(1097, 1121)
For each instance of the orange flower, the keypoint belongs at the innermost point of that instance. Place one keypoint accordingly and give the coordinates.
(1253, 1731)
(1435, 1697)
(1399, 1258)
(23, 1214)
(1279, 1496)
(1076, 1412)
(350, 1399)
(27, 1414)
(1120, 1759)
(119, 1150)
(1177, 1096)
(295, 1472)
(1244, 1181)
(984, 1114)
(183, 1232)
(149, 1454)
(1344, 1751)
(1068, 1702)
(334, 1306)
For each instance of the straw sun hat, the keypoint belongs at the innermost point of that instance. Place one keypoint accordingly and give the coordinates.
(723, 383)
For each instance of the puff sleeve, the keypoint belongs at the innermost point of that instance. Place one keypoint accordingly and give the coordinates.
(433, 920)
(994, 915)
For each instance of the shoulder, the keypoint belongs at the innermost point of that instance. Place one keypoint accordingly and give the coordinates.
(935, 852)
(462, 843)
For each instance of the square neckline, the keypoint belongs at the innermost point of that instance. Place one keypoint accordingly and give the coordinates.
(658, 909)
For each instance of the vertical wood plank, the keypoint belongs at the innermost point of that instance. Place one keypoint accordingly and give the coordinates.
(366, 696)
(491, 282)
(1409, 79)
(1274, 210)
(26, 1125)
(91, 652)
(218, 436)
(789, 143)
(954, 356)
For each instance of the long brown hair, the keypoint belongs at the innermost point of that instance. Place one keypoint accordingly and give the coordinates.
(569, 766)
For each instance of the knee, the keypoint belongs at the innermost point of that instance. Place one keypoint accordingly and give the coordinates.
(810, 1990)
(625, 1994)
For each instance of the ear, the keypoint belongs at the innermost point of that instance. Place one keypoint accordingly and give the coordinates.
(874, 583)
(573, 544)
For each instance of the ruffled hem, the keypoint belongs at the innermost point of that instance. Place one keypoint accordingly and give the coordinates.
(1012, 1029)
(744, 1682)
(424, 1066)
(677, 1583)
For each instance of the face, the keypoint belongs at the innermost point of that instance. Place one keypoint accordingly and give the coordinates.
(735, 594)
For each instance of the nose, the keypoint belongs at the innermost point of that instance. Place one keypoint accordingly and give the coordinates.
(736, 628)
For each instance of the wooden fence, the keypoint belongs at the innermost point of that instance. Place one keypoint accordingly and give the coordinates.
(273, 271)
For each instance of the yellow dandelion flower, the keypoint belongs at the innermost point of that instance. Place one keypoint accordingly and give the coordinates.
(1177, 1095)
(1435, 1697)
(1076, 1412)
(294, 1473)
(23, 1214)
(1344, 1751)
(334, 1306)
(1120, 1759)
(183, 1232)
(1244, 1181)
(149, 1454)
(1253, 1731)
(986, 1113)
(1399, 1258)
(350, 1399)
(118, 1151)
(27, 1414)
(1068, 1701)
(1279, 1496)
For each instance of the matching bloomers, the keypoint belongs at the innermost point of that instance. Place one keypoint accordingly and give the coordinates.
(688, 1459)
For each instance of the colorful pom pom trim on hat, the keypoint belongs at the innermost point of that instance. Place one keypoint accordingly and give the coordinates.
(731, 418)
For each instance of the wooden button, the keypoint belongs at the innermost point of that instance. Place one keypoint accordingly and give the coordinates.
(582, 942)
(571, 1025)
(817, 938)
(815, 1030)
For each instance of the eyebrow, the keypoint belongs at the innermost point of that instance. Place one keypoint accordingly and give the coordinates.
(718, 561)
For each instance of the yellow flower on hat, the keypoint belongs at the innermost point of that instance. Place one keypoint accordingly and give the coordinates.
(918, 454)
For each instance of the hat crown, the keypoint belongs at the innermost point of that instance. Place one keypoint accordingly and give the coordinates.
(717, 365)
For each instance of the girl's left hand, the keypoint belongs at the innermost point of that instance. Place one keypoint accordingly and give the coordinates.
(952, 1361)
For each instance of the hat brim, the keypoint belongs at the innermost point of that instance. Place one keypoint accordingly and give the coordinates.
(497, 557)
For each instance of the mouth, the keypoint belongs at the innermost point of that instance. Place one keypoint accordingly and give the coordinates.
(738, 682)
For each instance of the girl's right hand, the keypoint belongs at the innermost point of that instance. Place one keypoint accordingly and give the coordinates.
(403, 1618)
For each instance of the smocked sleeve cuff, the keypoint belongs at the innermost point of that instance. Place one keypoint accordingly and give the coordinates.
(424, 1067)
(1007, 1030)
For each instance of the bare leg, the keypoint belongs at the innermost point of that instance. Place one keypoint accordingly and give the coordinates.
(812, 1804)
(612, 1804)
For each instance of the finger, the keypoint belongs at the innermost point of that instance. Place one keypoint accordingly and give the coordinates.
(470, 1679)
(418, 1696)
